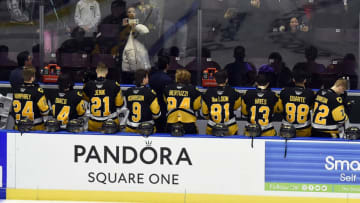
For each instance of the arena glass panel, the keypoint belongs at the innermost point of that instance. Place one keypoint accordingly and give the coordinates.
(286, 27)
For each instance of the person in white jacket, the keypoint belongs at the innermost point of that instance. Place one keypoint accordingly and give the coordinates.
(87, 15)
(135, 55)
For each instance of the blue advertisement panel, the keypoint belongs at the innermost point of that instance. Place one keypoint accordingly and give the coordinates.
(3, 158)
(313, 167)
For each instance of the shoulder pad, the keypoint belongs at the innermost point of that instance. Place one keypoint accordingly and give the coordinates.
(339, 99)
(41, 90)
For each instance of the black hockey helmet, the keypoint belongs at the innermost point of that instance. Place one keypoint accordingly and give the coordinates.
(52, 125)
(146, 128)
(220, 130)
(25, 125)
(109, 127)
(287, 131)
(177, 129)
(75, 125)
(253, 130)
(352, 133)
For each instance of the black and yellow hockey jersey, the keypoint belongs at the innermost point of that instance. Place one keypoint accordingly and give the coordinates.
(182, 101)
(142, 104)
(67, 106)
(259, 105)
(29, 101)
(105, 98)
(329, 111)
(219, 104)
(297, 103)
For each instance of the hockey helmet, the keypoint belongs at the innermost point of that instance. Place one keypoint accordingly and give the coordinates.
(287, 131)
(177, 129)
(352, 133)
(75, 125)
(109, 127)
(25, 125)
(220, 130)
(253, 130)
(146, 128)
(52, 125)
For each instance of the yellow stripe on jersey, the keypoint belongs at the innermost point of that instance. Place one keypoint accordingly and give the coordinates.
(53, 110)
(43, 106)
(155, 107)
(237, 103)
(278, 108)
(339, 114)
(80, 108)
(85, 97)
(243, 108)
(197, 103)
(205, 110)
(119, 100)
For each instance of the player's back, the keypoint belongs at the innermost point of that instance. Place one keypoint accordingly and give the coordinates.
(219, 104)
(297, 102)
(259, 105)
(182, 101)
(142, 105)
(329, 110)
(104, 97)
(67, 106)
(29, 101)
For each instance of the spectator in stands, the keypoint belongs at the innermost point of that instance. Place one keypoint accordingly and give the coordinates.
(118, 13)
(78, 43)
(87, 15)
(240, 73)
(5, 61)
(6, 64)
(174, 54)
(16, 76)
(313, 68)
(158, 81)
(294, 26)
(279, 75)
(206, 62)
(111, 24)
(134, 54)
(349, 67)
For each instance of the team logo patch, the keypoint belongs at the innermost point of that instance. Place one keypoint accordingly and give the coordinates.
(323, 93)
(136, 91)
(298, 93)
(220, 92)
(99, 86)
(22, 89)
(260, 94)
(179, 87)
(61, 94)
(339, 99)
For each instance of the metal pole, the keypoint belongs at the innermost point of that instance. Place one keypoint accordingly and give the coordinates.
(199, 44)
(357, 68)
(41, 34)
